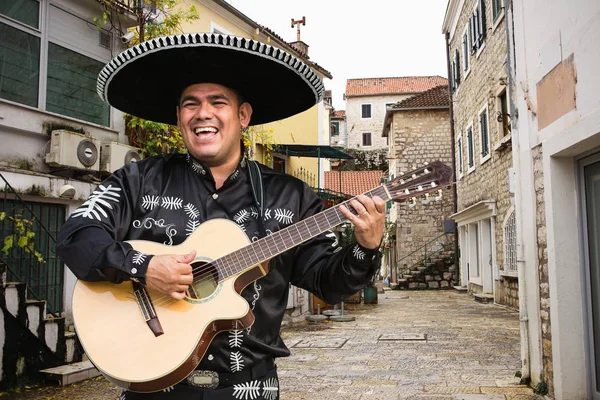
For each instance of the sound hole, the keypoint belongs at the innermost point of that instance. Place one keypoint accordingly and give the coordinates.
(206, 279)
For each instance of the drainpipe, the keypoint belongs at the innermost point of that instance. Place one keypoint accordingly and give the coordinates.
(516, 153)
(452, 147)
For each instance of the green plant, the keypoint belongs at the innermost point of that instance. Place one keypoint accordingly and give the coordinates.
(258, 135)
(367, 160)
(22, 236)
(152, 138)
(49, 126)
(541, 388)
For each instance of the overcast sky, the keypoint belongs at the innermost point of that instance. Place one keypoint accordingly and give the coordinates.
(360, 39)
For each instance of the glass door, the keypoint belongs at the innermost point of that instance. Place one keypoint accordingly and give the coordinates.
(591, 197)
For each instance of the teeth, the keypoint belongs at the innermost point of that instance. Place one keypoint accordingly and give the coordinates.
(203, 130)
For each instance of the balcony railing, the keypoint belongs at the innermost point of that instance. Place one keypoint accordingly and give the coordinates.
(123, 6)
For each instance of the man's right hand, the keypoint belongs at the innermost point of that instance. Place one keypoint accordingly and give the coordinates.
(171, 274)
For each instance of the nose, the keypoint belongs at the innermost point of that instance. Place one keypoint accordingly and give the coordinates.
(204, 111)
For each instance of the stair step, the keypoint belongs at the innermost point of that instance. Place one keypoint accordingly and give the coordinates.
(484, 297)
(460, 289)
(71, 373)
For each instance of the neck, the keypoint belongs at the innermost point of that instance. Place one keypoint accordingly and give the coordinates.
(221, 172)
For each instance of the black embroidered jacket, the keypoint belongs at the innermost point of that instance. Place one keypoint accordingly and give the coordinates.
(164, 199)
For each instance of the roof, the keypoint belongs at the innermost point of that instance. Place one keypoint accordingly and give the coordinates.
(437, 97)
(339, 114)
(353, 182)
(401, 85)
(310, 150)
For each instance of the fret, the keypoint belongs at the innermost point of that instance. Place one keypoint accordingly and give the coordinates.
(299, 233)
(316, 219)
(257, 244)
(327, 219)
(275, 243)
(292, 239)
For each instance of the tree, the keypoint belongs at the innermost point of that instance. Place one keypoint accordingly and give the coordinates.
(154, 18)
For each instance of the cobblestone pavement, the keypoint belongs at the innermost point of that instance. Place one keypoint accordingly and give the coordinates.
(425, 345)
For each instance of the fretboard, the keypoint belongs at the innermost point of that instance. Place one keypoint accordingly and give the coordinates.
(287, 238)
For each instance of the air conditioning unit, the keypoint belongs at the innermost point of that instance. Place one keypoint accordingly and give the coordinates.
(74, 150)
(115, 155)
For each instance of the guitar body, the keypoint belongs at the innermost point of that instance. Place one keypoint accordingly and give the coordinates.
(119, 342)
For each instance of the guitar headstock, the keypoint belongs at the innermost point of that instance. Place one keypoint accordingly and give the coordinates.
(421, 181)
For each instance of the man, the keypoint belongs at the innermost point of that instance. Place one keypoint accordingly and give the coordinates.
(216, 86)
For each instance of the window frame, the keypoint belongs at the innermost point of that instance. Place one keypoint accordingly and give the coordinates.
(460, 167)
(42, 33)
(501, 136)
(466, 52)
(484, 110)
(509, 267)
(370, 137)
(370, 111)
(470, 148)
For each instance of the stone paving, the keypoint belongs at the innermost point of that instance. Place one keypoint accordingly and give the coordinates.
(423, 345)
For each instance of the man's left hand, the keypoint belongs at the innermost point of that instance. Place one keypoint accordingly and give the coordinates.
(368, 221)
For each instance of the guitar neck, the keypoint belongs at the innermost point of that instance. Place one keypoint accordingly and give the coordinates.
(287, 238)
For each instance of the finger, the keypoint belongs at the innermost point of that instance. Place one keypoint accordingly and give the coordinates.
(187, 279)
(348, 214)
(186, 258)
(359, 207)
(379, 204)
(179, 295)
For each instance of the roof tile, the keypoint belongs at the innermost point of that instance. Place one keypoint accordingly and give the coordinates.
(401, 85)
(432, 98)
(353, 182)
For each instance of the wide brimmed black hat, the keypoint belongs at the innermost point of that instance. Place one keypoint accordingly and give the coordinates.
(146, 80)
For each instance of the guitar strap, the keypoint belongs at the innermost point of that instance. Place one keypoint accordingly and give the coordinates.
(258, 192)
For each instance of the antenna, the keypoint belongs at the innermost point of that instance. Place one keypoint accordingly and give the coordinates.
(298, 23)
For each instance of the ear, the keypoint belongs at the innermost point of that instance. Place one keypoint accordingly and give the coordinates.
(245, 113)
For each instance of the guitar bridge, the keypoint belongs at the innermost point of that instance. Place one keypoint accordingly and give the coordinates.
(147, 308)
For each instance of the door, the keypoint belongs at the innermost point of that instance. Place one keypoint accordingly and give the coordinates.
(591, 180)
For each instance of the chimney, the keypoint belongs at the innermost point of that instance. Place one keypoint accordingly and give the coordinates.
(301, 47)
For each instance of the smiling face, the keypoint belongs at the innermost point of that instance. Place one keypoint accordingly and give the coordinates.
(210, 119)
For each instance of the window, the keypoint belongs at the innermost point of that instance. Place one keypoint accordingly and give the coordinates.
(335, 128)
(68, 85)
(366, 139)
(25, 11)
(503, 115)
(470, 148)
(279, 164)
(19, 66)
(477, 26)
(484, 133)
(365, 111)
(459, 157)
(497, 8)
(466, 51)
(510, 243)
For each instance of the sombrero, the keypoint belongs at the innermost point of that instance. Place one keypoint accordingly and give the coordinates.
(146, 80)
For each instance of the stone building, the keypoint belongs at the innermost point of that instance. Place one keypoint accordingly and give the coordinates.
(366, 102)
(557, 165)
(419, 132)
(477, 47)
(339, 136)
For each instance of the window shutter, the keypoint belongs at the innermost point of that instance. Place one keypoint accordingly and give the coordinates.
(466, 50)
(482, 28)
(473, 32)
(457, 63)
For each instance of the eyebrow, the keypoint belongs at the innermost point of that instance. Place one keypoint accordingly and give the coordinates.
(211, 97)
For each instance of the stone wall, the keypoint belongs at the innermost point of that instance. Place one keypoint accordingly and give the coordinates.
(357, 125)
(421, 136)
(479, 88)
(538, 180)
(507, 292)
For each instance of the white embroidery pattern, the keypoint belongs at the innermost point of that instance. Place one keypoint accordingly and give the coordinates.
(170, 231)
(123, 396)
(191, 226)
(92, 208)
(241, 217)
(172, 203)
(191, 211)
(169, 389)
(138, 258)
(235, 174)
(149, 202)
(283, 216)
(358, 253)
(247, 391)
(148, 222)
(236, 338)
(270, 389)
(236, 361)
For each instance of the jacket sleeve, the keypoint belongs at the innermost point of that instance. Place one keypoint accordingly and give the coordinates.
(331, 272)
(91, 242)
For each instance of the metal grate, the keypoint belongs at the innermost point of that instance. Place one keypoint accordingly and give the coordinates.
(510, 243)
(45, 279)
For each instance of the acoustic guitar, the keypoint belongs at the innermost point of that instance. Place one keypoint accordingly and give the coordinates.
(144, 341)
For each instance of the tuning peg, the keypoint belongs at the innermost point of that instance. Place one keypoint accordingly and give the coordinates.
(420, 187)
(433, 184)
(402, 181)
(414, 176)
(427, 170)
(406, 191)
